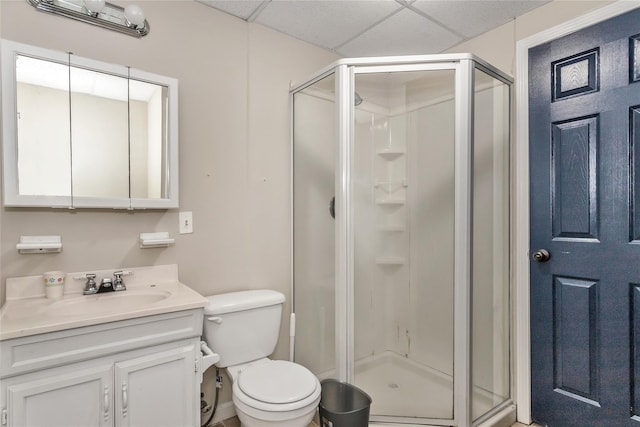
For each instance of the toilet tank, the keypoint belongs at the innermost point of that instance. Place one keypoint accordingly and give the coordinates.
(243, 326)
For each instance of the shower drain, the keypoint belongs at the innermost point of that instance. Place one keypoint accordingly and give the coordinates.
(394, 385)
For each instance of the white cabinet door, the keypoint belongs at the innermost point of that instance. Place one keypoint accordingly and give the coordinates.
(81, 398)
(158, 390)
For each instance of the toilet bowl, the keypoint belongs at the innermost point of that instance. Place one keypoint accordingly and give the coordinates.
(274, 392)
(242, 328)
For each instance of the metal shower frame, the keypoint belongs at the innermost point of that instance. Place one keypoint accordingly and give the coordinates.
(345, 71)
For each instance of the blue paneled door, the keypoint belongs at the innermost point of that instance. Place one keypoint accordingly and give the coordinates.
(585, 226)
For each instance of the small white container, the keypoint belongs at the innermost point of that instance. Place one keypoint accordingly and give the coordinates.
(54, 284)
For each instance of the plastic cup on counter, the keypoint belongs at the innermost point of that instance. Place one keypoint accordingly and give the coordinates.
(54, 284)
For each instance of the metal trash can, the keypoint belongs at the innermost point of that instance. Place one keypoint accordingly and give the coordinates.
(343, 405)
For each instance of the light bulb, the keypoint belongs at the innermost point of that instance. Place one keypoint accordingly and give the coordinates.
(94, 6)
(134, 14)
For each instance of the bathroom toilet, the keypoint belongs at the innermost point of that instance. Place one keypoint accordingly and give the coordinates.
(243, 328)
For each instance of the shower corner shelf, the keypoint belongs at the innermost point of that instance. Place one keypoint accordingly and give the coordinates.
(390, 202)
(390, 153)
(390, 260)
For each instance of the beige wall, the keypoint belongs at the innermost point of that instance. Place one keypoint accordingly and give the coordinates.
(234, 150)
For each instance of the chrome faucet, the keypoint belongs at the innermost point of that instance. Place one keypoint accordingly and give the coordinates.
(118, 283)
(106, 285)
(90, 287)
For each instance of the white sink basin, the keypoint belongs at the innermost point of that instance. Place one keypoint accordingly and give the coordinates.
(150, 291)
(107, 302)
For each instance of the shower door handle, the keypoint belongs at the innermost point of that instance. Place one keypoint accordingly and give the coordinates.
(332, 207)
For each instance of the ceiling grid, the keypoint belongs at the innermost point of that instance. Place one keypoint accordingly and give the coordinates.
(357, 28)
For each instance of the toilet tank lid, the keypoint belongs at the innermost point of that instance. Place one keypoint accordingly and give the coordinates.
(243, 300)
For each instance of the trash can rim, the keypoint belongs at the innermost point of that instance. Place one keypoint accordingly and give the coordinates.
(349, 385)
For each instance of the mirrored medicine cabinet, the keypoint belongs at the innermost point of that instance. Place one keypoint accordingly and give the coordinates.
(80, 133)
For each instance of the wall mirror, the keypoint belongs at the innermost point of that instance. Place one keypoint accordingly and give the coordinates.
(80, 133)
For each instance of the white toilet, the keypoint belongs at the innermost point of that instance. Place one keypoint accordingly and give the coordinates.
(243, 328)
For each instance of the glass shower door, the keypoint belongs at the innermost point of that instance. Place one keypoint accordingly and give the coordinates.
(314, 152)
(403, 208)
(490, 356)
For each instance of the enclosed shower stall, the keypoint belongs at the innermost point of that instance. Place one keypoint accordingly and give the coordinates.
(400, 215)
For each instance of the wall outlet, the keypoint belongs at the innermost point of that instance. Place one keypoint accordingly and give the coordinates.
(186, 222)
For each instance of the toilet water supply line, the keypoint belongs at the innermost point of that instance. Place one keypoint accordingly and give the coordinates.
(215, 403)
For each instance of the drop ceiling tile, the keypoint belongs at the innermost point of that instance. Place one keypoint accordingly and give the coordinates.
(242, 9)
(405, 33)
(473, 17)
(326, 23)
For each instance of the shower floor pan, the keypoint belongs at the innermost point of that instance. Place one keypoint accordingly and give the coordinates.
(400, 387)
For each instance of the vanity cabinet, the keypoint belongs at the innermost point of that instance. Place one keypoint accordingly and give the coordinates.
(135, 373)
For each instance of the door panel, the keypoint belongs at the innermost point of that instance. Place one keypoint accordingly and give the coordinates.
(574, 187)
(65, 399)
(635, 349)
(575, 338)
(576, 75)
(584, 121)
(158, 390)
(634, 53)
(634, 119)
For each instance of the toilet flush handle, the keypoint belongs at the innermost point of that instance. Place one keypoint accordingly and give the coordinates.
(217, 320)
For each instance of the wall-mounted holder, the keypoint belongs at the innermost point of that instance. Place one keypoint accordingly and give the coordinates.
(159, 239)
(39, 244)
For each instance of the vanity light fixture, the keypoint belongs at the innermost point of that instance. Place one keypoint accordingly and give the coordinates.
(129, 20)
(134, 16)
(94, 6)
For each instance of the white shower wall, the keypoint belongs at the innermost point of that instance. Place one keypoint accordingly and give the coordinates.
(431, 156)
(404, 251)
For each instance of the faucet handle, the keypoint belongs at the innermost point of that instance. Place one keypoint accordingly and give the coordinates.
(118, 284)
(90, 287)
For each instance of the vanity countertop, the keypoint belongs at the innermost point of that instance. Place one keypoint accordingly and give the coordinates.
(150, 291)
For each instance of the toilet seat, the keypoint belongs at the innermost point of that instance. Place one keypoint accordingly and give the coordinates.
(276, 386)
(277, 382)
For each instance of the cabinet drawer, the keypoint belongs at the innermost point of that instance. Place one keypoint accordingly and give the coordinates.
(22, 355)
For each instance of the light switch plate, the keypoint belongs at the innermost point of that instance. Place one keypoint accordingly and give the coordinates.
(186, 222)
